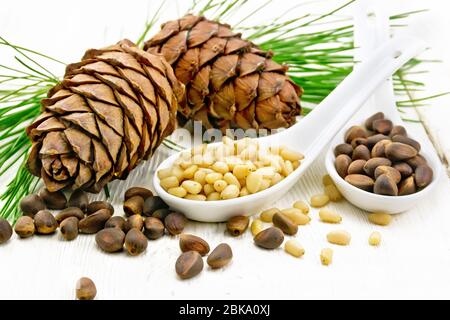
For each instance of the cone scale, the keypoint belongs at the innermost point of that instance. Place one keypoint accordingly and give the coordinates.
(110, 112)
(229, 81)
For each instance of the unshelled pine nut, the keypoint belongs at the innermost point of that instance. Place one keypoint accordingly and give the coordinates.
(329, 216)
(193, 187)
(230, 192)
(319, 200)
(179, 192)
(375, 238)
(296, 216)
(326, 256)
(253, 182)
(169, 182)
(301, 205)
(267, 215)
(333, 193)
(256, 227)
(380, 218)
(339, 237)
(214, 196)
(164, 173)
(291, 155)
(294, 248)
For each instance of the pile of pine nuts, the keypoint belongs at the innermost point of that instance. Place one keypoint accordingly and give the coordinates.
(288, 220)
(228, 171)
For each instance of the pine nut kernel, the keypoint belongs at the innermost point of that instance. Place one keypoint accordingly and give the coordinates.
(301, 205)
(256, 227)
(319, 200)
(294, 248)
(375, 239)
(380, 218)
(339, 237)
(326, 256)
(329, 216)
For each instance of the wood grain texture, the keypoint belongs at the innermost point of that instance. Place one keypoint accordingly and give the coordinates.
(412, 261)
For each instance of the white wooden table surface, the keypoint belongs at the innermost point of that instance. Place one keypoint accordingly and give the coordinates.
(412, 262)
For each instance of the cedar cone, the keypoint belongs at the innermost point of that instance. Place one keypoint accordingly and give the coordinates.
(230, 82)
(112, 110)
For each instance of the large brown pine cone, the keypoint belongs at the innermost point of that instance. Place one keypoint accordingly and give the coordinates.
(229, 81)
(111, 111)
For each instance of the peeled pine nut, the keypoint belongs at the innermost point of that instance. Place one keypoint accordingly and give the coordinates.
(276, 178)
(296, 216)
(230, 192)
(333, 193)
(193, 187)
(339, 237)
(286, 168)
(253, 182)
(213, 177)
(196, 197)
(244, 192)
(326, 180)
(291, 155)
(179, 192)
(375, 238)
(294, 248)
(326, 256)
(265, 184)
(164, 173)
(200, 176)
(379, 218)
(268, 214)
(319, 200)
(231, 179)
(241, 171)
(189, 172)
(296, 164)
(301, 205)
(169, 182)
(256, 227)
(220, 167)
(329, 216)
(214, 196)
(178, 173)
(220, 185)
(208, 189)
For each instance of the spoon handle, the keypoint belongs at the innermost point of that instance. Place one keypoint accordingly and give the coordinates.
(327, 118)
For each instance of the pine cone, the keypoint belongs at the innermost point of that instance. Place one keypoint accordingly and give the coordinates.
(229, 81)
(112, 110)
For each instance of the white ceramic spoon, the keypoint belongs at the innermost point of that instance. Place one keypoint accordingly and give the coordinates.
(308, 136)
(372, 29)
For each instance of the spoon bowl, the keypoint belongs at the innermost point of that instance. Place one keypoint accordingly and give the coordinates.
(372, 202)
(309, 136)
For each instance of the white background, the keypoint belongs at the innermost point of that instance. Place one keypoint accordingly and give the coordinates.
(413, 261)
